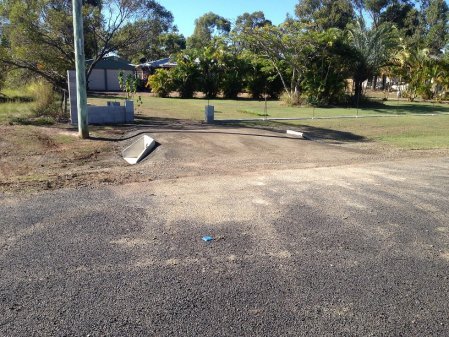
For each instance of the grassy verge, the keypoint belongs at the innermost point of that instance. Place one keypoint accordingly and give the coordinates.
(252, 109)
(408, 132)
(405, 130)
(15, 110)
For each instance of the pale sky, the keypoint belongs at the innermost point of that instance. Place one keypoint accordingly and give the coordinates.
(185, 12)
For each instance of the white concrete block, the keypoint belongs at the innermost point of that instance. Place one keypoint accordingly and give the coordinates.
(295, 133)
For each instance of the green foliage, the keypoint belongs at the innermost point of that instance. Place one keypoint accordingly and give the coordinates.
(232, 81)
(282, 47)
(250, 21)
(45, 99)
(307, 62)
(437, 26)
(206, 27)
(38, 35)
(426, 76)
(262, 78)
(186, 74)
(325, 14)
(127, 83)
(374, 48)
(161, 83)
(329, 65)
(404, 16)
(292, 100)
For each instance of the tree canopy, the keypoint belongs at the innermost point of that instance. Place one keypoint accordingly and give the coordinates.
(38, 35)
(325, 14)
(206, 27)
(309, 57)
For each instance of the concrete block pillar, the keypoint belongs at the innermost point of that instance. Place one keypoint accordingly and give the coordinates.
(129, 111)
(209, 113)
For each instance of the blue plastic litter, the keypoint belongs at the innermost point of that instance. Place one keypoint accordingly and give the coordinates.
(207, 238)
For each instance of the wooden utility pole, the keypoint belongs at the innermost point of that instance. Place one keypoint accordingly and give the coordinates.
(80, 60)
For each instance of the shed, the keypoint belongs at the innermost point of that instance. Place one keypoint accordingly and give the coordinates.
(104, 76)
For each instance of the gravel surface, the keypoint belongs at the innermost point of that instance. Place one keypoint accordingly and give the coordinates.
(360, 249)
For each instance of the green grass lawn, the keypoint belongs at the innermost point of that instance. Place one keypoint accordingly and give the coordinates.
(251, 109)
(409, 132)
(402, 127)
(12, 110)
(18, 105)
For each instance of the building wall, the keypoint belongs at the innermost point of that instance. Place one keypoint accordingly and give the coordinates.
(97, 80)
(106, 79)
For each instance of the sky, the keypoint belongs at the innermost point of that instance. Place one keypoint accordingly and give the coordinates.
(185, 12)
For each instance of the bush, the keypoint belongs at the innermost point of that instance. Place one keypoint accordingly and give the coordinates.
(161, 83)
(45, 99)
(292, 100)
(231, 85)
(186, 76)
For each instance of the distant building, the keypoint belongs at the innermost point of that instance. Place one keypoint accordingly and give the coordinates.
(149, 68)
(104, 76)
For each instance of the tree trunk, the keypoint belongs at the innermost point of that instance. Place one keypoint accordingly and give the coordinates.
(374, 82)
(358, 91)
(64, 103)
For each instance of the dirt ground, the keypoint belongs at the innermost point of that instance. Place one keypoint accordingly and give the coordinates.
(34, 159)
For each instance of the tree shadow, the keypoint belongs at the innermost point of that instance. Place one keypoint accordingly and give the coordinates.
(15, 99)
(156, 125)
(317, 133)
(411, 109)
(106, 95)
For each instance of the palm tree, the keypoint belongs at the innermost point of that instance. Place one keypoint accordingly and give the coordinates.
(423, 72)
(374, 48)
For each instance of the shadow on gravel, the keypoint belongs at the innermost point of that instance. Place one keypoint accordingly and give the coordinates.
(144, 125)
(311, 132)
(330, 134)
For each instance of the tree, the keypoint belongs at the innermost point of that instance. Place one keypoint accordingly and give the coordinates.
(283, 48)
(424, 73)
(328, 64)
(375, 9)
(250, 21)
(325, 14)
(159, 37)
(262, 78)
(186, 75)
(374, 48)
(307, 62)
(39, 34)
(436, 16)
(170, 44)
(403, 15)
(206, 27)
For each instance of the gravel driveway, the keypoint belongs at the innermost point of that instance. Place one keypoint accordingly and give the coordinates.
(359, 249)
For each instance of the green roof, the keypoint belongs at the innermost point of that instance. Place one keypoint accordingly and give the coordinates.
(112, 62)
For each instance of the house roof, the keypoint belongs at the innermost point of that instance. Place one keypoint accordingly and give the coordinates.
(112, 62)
(162, 63)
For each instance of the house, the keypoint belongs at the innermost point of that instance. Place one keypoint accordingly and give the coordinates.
(104, 76)
(149, 68)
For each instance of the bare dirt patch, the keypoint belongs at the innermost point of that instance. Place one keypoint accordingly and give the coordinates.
(41, 158)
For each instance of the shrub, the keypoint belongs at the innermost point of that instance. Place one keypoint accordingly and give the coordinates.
(127, 83)
(231, 85)
(292, 100)
(186, 76)
(45, 99)
(161, 82)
